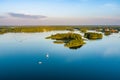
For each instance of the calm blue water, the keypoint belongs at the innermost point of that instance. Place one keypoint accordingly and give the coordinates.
(23, 57)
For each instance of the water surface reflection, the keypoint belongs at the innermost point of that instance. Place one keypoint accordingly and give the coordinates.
(21, 53)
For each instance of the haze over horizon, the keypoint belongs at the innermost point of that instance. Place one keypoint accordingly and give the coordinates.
(59, 12)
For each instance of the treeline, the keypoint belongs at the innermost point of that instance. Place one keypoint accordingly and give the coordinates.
(64, 36)
(94, 27)
(33, 29)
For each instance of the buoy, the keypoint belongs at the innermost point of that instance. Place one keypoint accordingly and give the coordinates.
(39, 62)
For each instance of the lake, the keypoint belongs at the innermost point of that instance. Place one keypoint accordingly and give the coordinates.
(29, 56)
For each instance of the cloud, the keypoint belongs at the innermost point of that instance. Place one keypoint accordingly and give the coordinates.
(19, 15)
(60, 21)
(109, 20)
(2, 17)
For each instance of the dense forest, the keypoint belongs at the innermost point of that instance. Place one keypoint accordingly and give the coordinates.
(93, 35)
(107, 30)
(71, 40)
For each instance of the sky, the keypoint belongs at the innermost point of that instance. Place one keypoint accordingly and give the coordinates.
(59, 12)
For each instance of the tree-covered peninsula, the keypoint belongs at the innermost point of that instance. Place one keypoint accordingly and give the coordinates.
(71, 40)
(93, 35)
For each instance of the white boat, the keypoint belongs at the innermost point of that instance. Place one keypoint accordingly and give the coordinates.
(47, 55)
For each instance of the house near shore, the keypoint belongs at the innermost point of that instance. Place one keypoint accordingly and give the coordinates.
(111, 30)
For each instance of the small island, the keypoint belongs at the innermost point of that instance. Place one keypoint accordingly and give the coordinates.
(93, 35)
(107, 33)
(71, 40)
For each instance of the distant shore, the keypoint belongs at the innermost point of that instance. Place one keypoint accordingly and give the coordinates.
(32, 29)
